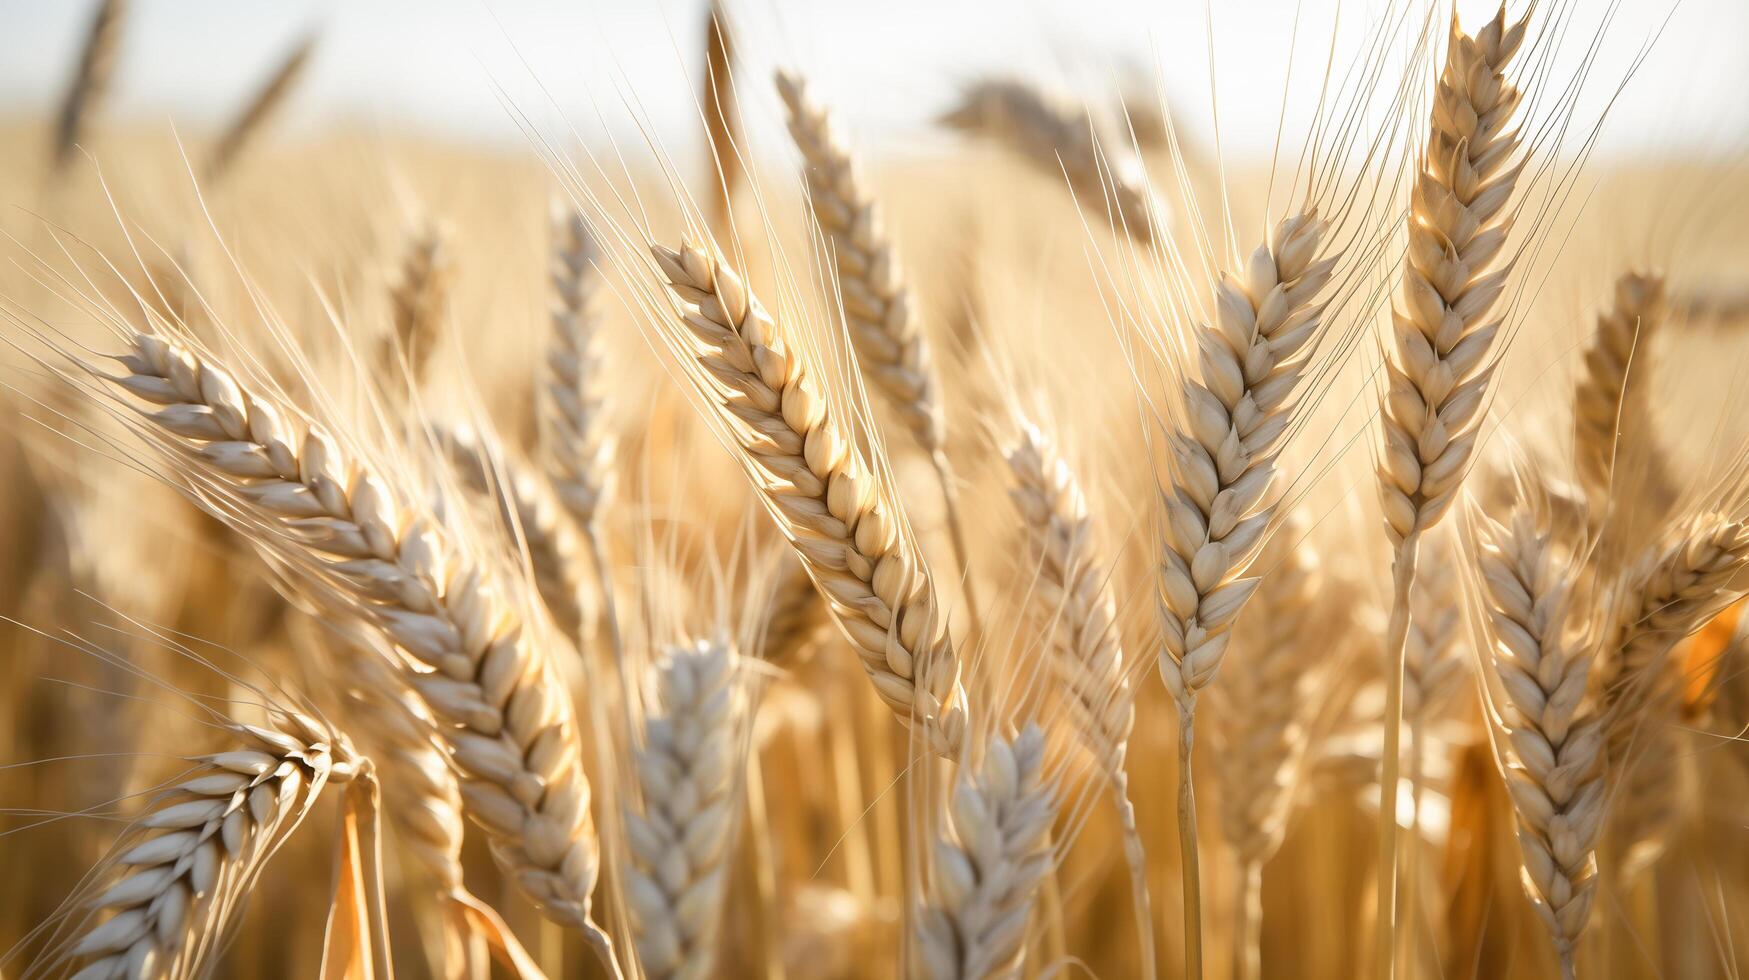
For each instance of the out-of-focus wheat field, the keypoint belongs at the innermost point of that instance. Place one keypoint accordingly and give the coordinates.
(771, 530)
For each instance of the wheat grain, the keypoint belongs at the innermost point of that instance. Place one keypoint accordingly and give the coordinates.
(841, 516)
(1064, 144)
(182, 868)
(687, 773)
(1552, 754)
(988, 868)
(367, 550)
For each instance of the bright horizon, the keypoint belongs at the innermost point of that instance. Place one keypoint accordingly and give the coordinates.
(458, 68)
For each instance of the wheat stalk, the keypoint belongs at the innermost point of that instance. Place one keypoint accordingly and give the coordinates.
(1073, 581)
(368, 550)
(680, 840)
(183, 868)
(91, 82)
(841, 516)
(1064, 144)
(989, 865)
(532, 516)
(1552, 755)
(1218, 506)
(1265, 735)
(889, 342)
(1443, 330)
(1604, 401)
(262, 107)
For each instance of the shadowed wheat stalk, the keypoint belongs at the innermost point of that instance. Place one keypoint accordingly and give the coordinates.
(90, 82)
(259, 111)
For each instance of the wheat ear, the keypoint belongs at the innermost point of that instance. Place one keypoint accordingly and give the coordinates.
(418, 301)
(528, 512)
(579, 445)
(1065, 145)
(91, 82)
(988, 867)
(1265, 735)
(688, 773)
(255, 115)
(1218, 507)
(367, 549)
(184, 867)
(1072, 581)
(1443, 330)
(1552, 753)
(889, 342)
(840, 514)
(1677, 588)
(1605, 400)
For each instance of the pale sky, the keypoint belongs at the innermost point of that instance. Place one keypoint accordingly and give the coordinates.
(457, 67)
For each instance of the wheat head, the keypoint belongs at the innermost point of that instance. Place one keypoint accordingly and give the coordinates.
(681, 838)
(1444, 326)
(841, 517)
(1604, 402)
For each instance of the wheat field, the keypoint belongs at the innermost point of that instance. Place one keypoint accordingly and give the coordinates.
(1044, 550)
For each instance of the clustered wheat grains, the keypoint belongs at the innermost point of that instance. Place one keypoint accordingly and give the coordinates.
(629, 696)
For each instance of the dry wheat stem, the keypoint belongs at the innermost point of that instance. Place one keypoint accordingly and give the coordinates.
(1264, 725)
(1606, 400)
(1219, 504)
(91, 83)
(184, 867)
(884, 331)
(366, 549)
(838, 512)
(1072, 581)
(531, 517)
(680, 839)
(1443, 330)
(255, 115)
(1065, 145)
(1552, 751)
(989, 865)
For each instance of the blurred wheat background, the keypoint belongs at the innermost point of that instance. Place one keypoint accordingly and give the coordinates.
(695, 490)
